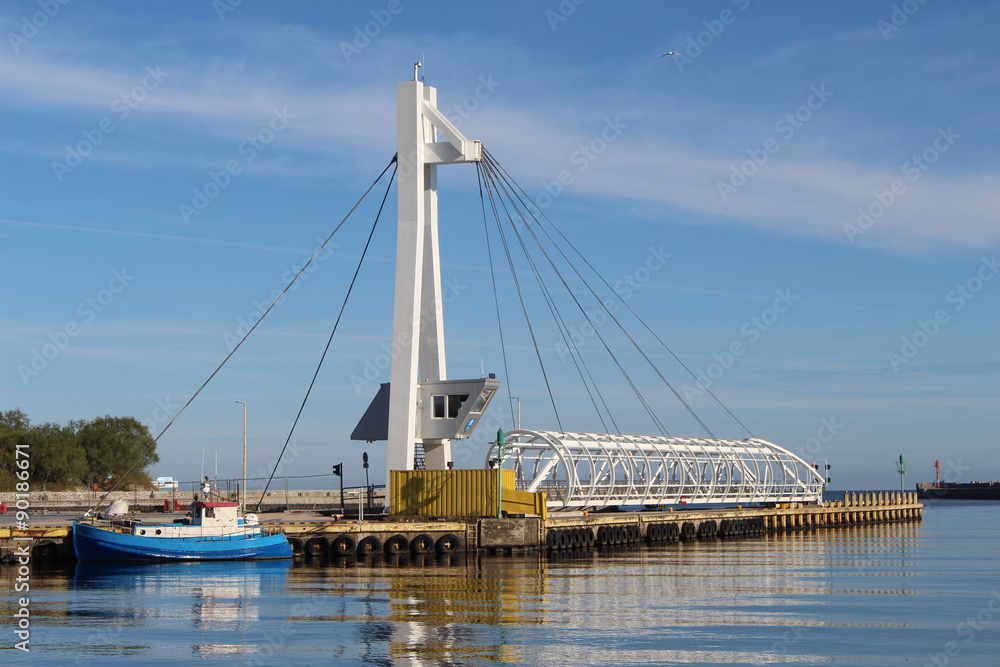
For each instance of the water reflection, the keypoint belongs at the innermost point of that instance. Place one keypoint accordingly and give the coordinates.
(432, 609)
(427, 610)
(221, 599)
(422, 612)
(785, 597)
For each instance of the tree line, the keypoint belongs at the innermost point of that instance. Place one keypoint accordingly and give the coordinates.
(81, 453)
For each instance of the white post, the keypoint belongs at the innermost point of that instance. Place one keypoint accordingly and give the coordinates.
(417, 313)
(243, 490)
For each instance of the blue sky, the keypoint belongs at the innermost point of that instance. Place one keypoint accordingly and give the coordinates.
(841, 155)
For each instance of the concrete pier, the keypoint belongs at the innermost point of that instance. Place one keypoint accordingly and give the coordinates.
(314, 536)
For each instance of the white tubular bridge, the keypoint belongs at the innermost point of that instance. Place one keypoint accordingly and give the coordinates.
(578, 470)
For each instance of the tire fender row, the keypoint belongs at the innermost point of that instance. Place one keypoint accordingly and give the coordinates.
(617, 535)
(570, 538)
(663, 532)
(688, 531)
(586, 537)
(604, 536)
(708, 530)
(742, 528)
(614, 535)
(347, 545)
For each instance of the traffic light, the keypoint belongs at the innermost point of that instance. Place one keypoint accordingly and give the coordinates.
(337, 470)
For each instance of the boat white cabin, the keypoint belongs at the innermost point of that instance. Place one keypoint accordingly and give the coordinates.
(207, 519)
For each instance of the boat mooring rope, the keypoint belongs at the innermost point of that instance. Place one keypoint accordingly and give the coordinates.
(329, 340)
(392, 162)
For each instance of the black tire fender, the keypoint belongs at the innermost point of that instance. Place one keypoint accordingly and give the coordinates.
(343, 546)
(397, 544)
(297, 547)
(317, 547)
(421, 544)
(369, 546)
(447, 544)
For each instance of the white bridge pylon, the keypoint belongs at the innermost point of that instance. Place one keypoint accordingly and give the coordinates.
(422, 406)
(578, 470)
(425, 140)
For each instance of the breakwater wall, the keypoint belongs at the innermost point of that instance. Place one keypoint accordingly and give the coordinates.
(146, 501)
(314, 537)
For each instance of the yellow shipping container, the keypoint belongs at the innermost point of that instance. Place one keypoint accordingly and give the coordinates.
(464, 493)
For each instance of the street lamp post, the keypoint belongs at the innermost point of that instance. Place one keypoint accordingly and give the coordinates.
(901, 469)
(243, 489)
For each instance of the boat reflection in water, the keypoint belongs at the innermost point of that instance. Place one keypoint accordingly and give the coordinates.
(221, 602)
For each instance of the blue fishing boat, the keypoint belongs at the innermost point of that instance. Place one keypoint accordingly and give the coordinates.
(214, 531)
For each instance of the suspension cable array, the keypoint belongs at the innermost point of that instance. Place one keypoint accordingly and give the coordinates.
(610, 468)
(530, 228)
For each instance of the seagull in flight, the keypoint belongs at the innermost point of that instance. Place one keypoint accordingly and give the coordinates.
(670, 53)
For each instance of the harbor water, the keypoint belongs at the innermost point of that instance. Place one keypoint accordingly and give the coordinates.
(918, 593)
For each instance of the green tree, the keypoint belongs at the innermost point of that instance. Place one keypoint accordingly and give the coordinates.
(14, 419)
(57, 457)
(116, 446)
(81, 452)
(14, 426)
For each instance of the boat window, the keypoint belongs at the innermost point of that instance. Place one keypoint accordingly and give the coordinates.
(439, 407)
(455, 403)
(210, 512)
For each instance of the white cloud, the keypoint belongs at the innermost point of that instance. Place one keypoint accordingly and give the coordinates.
(811, 190)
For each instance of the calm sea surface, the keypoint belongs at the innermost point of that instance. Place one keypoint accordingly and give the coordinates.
(919, 593)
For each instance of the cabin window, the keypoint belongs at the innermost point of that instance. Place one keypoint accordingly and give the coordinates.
(448, 406)
(482, 400)
(210, 512)
(455, 403)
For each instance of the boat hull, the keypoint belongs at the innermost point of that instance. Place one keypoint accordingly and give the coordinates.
(93, 543)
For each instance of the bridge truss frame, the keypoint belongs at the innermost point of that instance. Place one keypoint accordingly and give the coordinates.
(581, 470)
